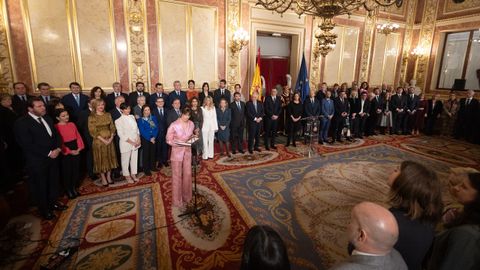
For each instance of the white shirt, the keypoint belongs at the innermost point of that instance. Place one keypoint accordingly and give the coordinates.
(356, 252)
(362, 102)
(45, 124)
(209, 119)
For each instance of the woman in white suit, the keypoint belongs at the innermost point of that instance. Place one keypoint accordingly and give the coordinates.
(209, 127)
(129, 135)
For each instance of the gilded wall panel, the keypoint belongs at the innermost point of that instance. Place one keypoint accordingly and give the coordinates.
(384, 59)
(174, 43)
(204, 48)
(333, 59)
(6, 68)
(378, 57)
(97, 51)
(50, 48)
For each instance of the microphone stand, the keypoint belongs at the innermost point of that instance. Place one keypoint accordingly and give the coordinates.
(195, 210)
(311, 150)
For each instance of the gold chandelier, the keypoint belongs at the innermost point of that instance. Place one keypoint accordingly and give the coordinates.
(327, 10)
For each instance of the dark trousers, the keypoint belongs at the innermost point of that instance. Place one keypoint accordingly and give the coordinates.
(339, 124)
(148, 155)
(408, 122)
(430, 125)
(161, 149)
(371, 124)
(237, 138)
(70, 171)
(360, 125)
(293, 128)
(270, 131)
(117, 171)
(397, 119)
(43, 183)
(253, 135)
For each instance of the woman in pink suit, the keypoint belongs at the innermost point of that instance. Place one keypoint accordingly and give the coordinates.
(181, 131)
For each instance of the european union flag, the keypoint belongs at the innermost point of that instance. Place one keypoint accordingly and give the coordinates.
(302, 85)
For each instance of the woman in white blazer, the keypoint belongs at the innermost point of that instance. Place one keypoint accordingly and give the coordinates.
(209, 127)
(129, 135)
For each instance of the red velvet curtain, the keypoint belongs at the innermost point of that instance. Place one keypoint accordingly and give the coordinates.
(274, 71)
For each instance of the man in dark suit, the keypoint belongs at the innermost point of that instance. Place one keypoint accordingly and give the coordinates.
(117, 91)
(399, 104)
(342, 110)
(435, 108)
(237, 124)
(411, 109)
(140, 91)
(467, 117)
(159, 93)
(177, 93)
(322, 92)
(361, 114)
(255, 116)
(45, 94)
(116, 113)
(20, 98)
(375, 111)
(273, 108)
(221, 92)
(175, 112)
(41, 144)
(161, 144)
(373, 232)
(75, 102)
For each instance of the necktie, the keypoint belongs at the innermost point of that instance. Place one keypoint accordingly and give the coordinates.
(468, 102)
(41, 123)
(161, 112)
(23, 98)
(312, 101)
(222, 92)
(178, 93)
(255, 105)
(117, 94)
(178, 112)
(77, 99)
(238, 105)
(140, 94)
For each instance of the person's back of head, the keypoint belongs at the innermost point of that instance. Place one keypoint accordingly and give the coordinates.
(264, 249)
(372, 229)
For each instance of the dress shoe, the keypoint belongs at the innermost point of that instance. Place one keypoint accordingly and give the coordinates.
(49, 216)
(266, 148)
(148, 173)
(76, 193)
(234, 152)
(241, 152)
(273, 147)
(228, 155)
(71, 195)
(257, 149)
(294, 145)
(154, 170)
(59, 207)
(250, 151)
(166, 164)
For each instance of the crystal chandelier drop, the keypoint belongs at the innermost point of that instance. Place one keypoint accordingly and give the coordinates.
(327, 10)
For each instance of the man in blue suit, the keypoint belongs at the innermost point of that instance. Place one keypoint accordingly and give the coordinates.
(161, 144)
(75, 101)
(254, 119)
(328, 111)
(177, 93)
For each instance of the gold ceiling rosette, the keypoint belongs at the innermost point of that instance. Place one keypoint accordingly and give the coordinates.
(327, 10)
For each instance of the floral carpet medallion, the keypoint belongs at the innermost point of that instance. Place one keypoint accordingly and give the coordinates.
(115, 230)
(308, 201)
(248, 159)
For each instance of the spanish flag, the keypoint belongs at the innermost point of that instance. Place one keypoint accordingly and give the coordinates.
(257, 81)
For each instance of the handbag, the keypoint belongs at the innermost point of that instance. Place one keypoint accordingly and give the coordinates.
(72, 145)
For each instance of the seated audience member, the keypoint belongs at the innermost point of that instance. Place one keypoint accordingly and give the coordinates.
(224, 117)
(41, 144)
(137, 110)
(264, 249)
(386, 118)
(434, 110)
(294, 114)
(102, 129)
(129, 142)
(449, 115)
(458, 247)
(20, 98)
(416, 200)
(148, 126)
(373, 232)
(420, 115)
(72, 144)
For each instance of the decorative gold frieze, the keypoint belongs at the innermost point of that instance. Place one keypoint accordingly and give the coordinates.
(367, 43)
(425, 40)
(136, 25)
(314, 59)
(6, 68)
(233, 59)
(407, 42)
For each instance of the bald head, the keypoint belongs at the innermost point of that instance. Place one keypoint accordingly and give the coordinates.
(372, 229)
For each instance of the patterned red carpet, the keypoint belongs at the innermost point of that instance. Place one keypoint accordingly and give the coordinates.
(307, 200)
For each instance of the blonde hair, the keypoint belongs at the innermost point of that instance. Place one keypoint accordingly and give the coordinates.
(95, 103)
(205, 102)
